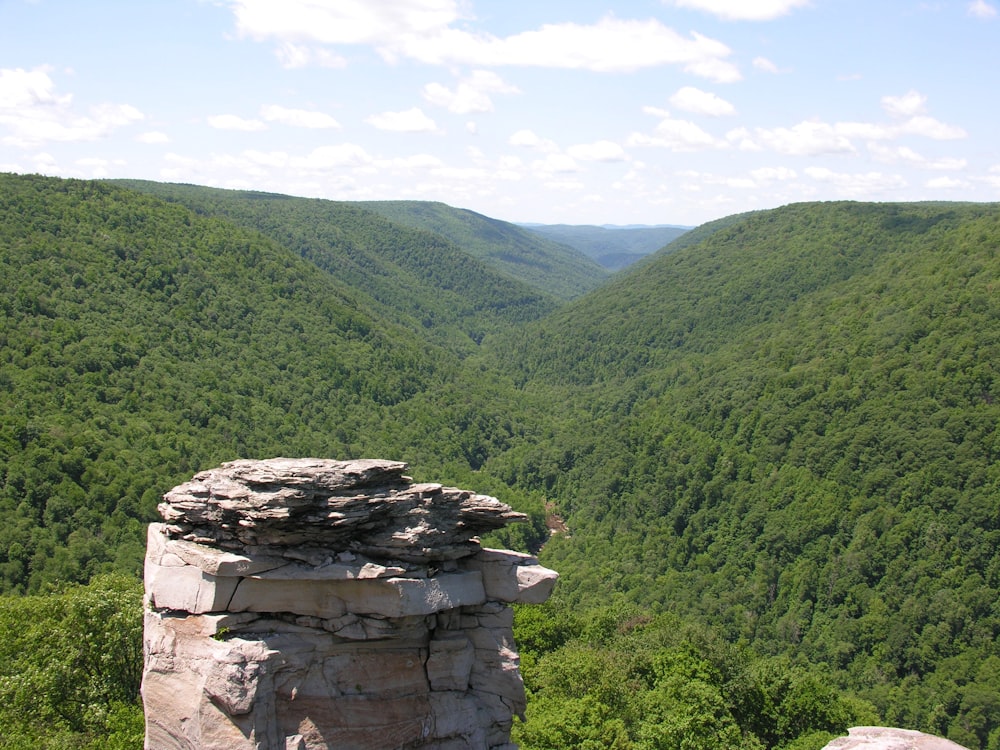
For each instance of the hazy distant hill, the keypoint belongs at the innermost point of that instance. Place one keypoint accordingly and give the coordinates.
(612, 247)
(420, 279)
(552, 266)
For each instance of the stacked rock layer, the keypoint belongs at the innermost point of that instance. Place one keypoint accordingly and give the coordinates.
(300, 604)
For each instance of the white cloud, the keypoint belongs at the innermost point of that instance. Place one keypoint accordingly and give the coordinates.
(299, 118)
(804, 139)
(415, 162)
(292, 56)
(423, 30)
(906, 155)
(235, 122)
(599, 151)
(33, 113)
(857, 185)
(982, 9)
(691, 99)
(153, 136)
(945, 183)
(344, 21)
(408, 121)
(931, 128)
(330, 157)
(556, 163)
(676, 135)
(909, 104)
(528, 139)
(762, 63)
(610, 45)
(744, 10)
(471, 94)
(766, 175)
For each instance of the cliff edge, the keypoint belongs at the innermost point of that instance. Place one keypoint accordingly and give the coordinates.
(306, 604)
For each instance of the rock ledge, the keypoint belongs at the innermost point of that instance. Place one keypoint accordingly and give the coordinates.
(313, 604)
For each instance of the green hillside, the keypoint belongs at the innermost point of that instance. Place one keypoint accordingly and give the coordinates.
(142, 342)
(791, 429)
(554, 267)
(417, 278)
(614, 248)
(774, 446)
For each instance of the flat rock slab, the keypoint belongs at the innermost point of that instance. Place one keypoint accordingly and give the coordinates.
(366, 506)
(888, 738)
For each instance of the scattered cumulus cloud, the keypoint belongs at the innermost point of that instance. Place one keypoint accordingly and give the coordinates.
(235, 122)
(857, 184)
(299, 118)
(909, 104)
(804, 139)
(32, 112)
(471, 94)
(334, 156)
(982, 9)
(153, 136)
(528, 139)
(928, 127)
(291, 56)
(765, 65)
(691, 99)
(675, 134)
(425, 30)
(408, 121)
(555, 163)
(906, 155)
(743, 10)
(767, 175)
(607, 151)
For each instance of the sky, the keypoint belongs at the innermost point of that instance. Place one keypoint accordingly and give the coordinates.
(549, 111)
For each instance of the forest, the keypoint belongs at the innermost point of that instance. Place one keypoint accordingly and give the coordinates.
(773, 443)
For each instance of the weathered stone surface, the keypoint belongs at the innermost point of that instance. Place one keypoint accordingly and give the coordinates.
(308, 604)
(365, 505)
(513, 576)
(887, 738)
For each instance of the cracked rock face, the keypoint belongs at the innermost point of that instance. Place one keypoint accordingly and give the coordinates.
(308, 603)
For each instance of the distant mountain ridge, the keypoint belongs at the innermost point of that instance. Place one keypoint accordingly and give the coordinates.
(555, 267)
(613, 246)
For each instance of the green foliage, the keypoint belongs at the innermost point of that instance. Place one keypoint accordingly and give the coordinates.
(556, 268)
(774, 448)
(791, 433)
(70, 666)
(429, 282)
(659, 682)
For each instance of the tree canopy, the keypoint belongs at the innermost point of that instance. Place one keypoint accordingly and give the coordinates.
(772, 446)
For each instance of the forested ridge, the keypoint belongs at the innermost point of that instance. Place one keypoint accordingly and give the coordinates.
(556, 267)
(774, 445)
(411, 276)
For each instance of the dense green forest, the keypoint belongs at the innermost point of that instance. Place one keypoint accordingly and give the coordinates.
(413, 277)
(774, 445)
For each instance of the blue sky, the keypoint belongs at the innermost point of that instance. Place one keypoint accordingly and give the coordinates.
(554, 111)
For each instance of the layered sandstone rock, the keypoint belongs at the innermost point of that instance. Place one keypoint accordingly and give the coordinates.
(887, 738)
(305, 603)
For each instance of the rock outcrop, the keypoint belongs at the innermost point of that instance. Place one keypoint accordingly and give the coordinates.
(887, 738)
(305, 604)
